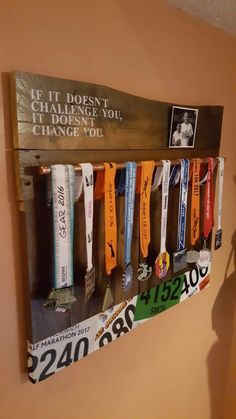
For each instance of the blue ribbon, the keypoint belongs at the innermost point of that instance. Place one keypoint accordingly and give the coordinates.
(121, 182)
(183, 202)
(130, 182)
(173, 175)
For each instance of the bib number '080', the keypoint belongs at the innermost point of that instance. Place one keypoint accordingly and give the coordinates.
(120, 326)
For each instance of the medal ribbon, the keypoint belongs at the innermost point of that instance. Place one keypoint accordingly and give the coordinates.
(157, 179)
(183, 203)
(174, 176)
(164, 203)
(121, 182)
(145, 194)
(62, 177)
(130, 183)
(220, 196)
(110, 217)
(195, 201)
(87, 174)
(208, 221)
(78, 186)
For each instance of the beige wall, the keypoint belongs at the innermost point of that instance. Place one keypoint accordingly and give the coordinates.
(176, 365)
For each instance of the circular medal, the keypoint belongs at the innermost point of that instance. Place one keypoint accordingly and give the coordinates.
(192, 256)
(127, 277)
(204, 258)
(144, 271)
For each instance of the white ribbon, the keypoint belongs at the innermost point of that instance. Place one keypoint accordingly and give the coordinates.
(157, 179)
(164, 203)
(87, 174)
(220, 196)
(78, 186)
(62, 177)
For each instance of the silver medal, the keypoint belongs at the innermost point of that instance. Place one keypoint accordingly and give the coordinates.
(204, 258)
(192, 256)
(180, 260)
(127, 277)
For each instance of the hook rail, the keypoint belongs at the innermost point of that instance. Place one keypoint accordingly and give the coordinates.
(45, 170)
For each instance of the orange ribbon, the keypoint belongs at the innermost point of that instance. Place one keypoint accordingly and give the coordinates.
(110, 217)
(145, 194)
(195, 201)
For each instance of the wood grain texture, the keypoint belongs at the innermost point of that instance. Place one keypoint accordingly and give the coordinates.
(144, 124)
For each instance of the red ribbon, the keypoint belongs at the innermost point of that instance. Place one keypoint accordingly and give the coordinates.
(208, 221)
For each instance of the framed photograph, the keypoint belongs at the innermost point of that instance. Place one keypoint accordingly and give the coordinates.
(183, 127)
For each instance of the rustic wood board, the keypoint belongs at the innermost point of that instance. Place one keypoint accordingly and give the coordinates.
(138, 124)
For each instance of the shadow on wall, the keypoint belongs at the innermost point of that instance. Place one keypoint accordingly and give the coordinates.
(222, 322)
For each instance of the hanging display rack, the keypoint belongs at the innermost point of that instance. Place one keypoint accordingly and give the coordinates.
(97, 167)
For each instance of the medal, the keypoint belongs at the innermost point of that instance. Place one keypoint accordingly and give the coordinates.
(62, 294)
(130, 182)
(127, 277)
(108, 299)
(110, 229)
(145, 270)
(87, 175)
(110, 218)
(218, 236)
(163, 260)
(180, 257)
(193, 255)
(204, 257)
(205, 253)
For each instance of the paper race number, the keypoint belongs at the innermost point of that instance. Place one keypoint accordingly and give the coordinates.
(50, 355)
(170, 293)
(115, 322)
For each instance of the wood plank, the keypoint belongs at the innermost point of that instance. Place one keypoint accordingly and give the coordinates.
(117, 120)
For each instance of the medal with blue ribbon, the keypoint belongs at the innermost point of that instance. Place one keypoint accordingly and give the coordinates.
(180, 257)
(130, 184)
(62, 295)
